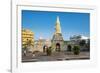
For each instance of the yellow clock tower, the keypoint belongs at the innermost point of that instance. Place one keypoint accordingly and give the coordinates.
(58, 27)
(57, 40)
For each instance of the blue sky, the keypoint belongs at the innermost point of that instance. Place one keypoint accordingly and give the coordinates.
(42, 23)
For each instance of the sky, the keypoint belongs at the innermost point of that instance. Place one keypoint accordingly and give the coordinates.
(42, 23)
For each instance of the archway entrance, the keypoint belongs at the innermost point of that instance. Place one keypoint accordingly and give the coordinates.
(45, 48)
(58, 47)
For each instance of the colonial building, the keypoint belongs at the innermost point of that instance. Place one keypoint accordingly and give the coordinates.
(41, 43)
(27, 39)
(57, 39)
(82, 41)
(77, 38)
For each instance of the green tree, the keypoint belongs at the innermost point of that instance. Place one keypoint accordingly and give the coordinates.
(76, 50)
(49, 51)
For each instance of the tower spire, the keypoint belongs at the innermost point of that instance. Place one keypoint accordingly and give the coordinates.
(58, 27)
(58, 20)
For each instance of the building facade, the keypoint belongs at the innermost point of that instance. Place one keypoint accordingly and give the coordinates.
(27, 39)
(41, 43)
(77, 38)
(82, 41)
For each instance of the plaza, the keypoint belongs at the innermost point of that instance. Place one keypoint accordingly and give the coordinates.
(56, 56)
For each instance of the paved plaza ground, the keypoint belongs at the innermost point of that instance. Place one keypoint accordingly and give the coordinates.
(56, 56)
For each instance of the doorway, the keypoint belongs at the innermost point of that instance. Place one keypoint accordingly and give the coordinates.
(58, 49)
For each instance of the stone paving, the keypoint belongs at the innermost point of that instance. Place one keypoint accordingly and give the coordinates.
(56, 56)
